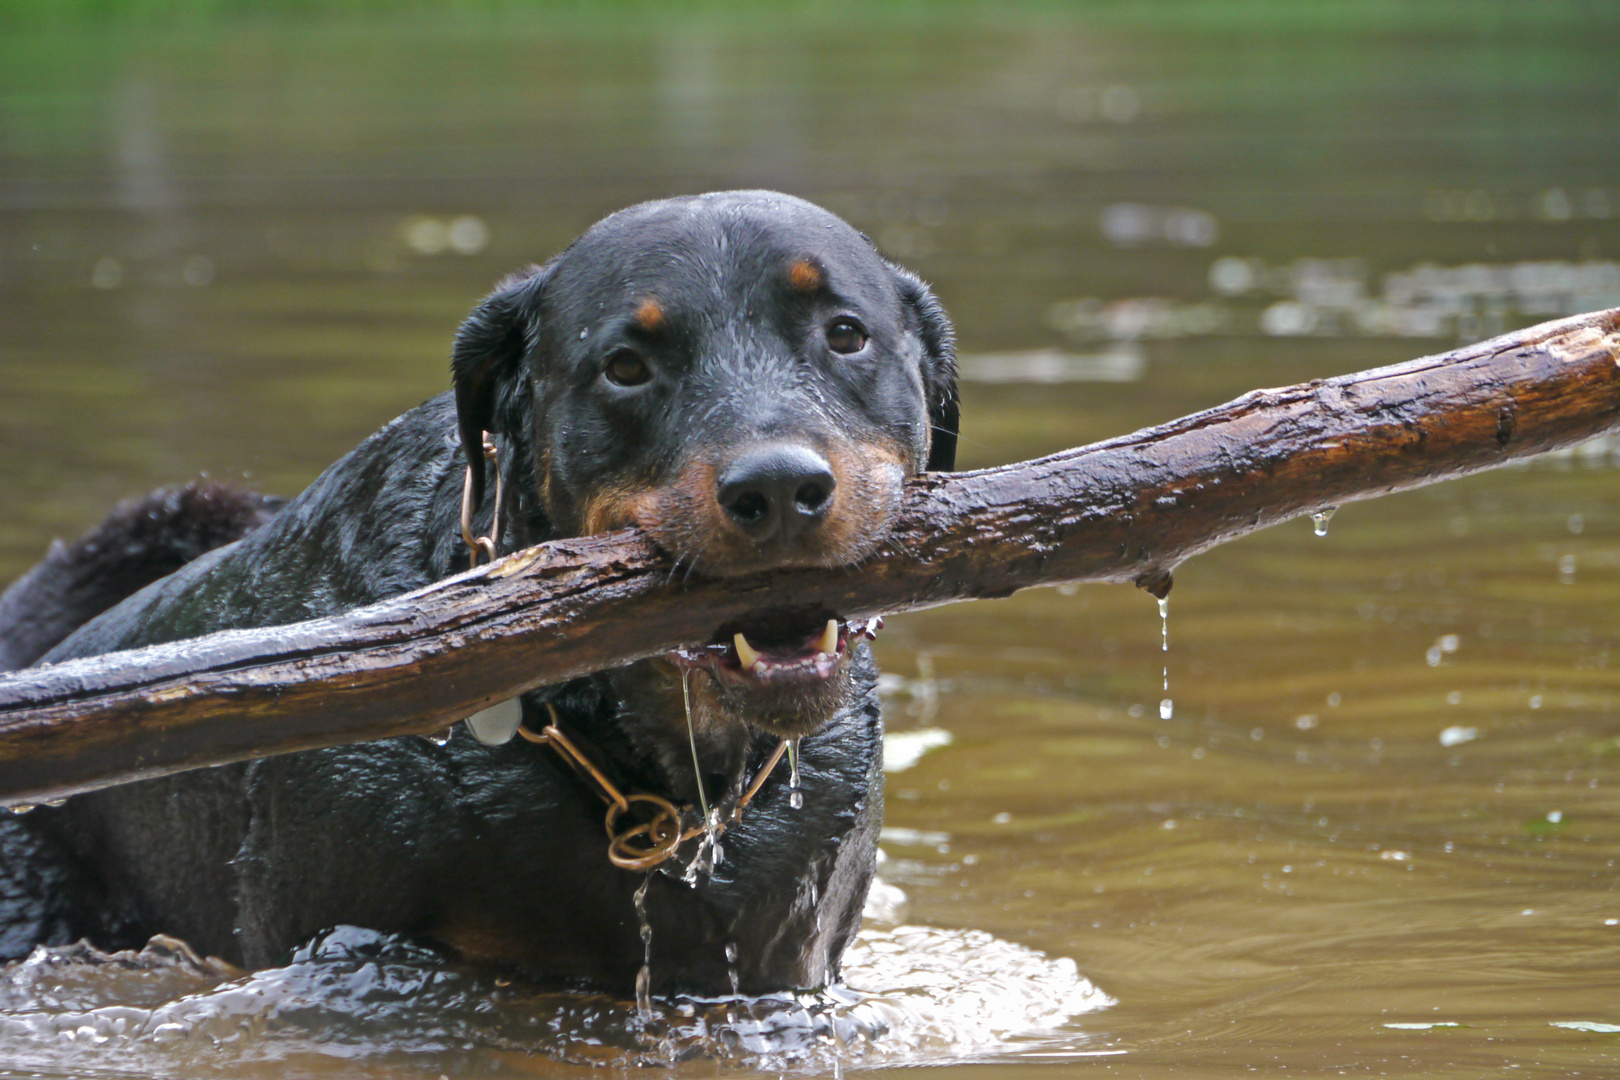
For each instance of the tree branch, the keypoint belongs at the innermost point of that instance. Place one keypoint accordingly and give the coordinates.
(1129, 509)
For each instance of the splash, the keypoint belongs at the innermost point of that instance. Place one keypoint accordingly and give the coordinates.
(360, 1002)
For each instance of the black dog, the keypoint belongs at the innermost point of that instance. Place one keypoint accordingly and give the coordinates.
(739, 374)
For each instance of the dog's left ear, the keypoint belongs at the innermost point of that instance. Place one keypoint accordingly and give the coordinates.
(933, 328)
(487, 362)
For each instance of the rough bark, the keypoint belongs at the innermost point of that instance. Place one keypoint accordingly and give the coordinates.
(1129, 509)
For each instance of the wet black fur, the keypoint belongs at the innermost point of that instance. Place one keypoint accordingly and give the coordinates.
(504, 844)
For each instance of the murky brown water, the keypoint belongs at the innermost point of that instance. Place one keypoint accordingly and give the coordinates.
(1369, 828)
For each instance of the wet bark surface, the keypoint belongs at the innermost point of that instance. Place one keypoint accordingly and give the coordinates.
(1128, 509)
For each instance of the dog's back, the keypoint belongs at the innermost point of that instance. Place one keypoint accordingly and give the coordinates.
(138, 543)
(46, 894)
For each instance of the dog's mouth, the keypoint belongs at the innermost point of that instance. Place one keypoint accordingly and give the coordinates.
(782, 647)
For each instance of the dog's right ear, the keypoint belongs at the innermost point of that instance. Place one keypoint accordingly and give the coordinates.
(487, 362)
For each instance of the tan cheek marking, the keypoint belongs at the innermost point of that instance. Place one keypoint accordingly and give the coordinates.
(616, 509)
(649, 315)
(805, 276)
(869, 503)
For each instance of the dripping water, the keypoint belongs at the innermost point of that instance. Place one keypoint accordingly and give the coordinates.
(644, 976)
(736, 984)
(1320, 519)
(795, 796)
(1166, 705)
(714, 854)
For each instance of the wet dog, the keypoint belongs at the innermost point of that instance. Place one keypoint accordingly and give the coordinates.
(739, 374)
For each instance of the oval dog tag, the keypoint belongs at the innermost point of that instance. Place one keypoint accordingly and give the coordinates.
(497, 724)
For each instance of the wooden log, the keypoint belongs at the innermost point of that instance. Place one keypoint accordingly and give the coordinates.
(1128, 509)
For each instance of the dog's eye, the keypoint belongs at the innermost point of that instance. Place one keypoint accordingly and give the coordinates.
(846, 336)
(625, 368)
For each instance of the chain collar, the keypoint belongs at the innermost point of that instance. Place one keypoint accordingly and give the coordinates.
(643, 845)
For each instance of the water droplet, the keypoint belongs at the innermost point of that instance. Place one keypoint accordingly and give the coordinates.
(441, 739)
(1320, 519)
(731, 952)
(1167, 709)
(795, 796)
(21, 808)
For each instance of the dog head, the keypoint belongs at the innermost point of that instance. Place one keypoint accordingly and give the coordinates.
(742, 376)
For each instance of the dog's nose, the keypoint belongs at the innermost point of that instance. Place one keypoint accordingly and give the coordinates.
(777, 492)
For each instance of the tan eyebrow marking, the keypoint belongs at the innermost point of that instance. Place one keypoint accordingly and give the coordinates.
(649, 315)
(804, 276)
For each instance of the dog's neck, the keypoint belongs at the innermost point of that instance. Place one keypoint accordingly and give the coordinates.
(659, 732)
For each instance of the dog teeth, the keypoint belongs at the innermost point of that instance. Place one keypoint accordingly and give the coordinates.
(829, 639)
(747, 656)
